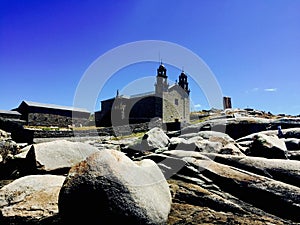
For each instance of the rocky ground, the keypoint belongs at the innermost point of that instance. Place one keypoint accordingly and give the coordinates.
(230, 167)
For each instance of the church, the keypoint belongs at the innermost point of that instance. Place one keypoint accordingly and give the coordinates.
(170, 103)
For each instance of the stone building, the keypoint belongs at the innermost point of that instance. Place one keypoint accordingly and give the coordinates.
(170, 103)
(9, 114)
(40, 114)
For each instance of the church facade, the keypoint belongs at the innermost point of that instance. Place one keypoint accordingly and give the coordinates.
(170, 103)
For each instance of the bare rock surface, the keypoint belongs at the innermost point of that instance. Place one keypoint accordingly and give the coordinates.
(31, 197)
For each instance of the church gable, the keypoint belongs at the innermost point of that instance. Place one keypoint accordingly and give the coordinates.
(176, 105)
(177, 89)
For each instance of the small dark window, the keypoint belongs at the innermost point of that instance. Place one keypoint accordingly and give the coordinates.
(176, 101)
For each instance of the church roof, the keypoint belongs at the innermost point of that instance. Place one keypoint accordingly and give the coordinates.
(142, 94)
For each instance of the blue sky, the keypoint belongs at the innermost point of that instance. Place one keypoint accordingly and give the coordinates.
(251, 46)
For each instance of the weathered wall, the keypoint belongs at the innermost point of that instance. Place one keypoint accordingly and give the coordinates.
(45, 119)
(176, 105)
(134, 110)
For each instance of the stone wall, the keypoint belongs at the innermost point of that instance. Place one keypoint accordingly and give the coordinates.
(93, 132)
(129, 111)
(45, 119)
(176, 106)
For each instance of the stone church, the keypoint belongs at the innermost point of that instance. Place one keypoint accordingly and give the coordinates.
(170, 103)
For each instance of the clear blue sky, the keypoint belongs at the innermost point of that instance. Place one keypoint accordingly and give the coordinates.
(251, 46)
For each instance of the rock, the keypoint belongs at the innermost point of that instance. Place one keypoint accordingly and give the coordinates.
(59, 156)
(169, 165)
(183, 154)
(109, 187)
(155, 138)
(23, 152)
(194, 205)
(196, 195)
(268, 147)
(294, 155)
(206, 145)
(291, 132)
(278, 198)
(4, 135)
(177, 143)
(8, 147)
(232, 149)
(287, 171)
(214, 136)
(32, 197)
(152, 140)
(203, 141)
(292, 143)
(234, 127)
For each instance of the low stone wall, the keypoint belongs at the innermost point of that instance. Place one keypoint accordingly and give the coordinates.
(103, 131)
(44, 119)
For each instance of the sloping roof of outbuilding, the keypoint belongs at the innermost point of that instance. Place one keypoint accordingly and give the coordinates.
(53, 106)
(9, 112)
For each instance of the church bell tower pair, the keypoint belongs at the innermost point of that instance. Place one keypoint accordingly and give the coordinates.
(162, 81)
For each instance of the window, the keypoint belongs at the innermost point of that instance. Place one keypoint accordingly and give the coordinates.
(176, 101)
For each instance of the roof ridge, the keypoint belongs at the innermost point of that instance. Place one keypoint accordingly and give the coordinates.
(50, 105)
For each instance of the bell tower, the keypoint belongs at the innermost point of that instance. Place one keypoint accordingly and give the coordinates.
(161, 80)
(183, 83)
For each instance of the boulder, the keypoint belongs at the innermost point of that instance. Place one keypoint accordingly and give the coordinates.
(32, 197)
(291, 132)
(195, 143)
(155, 138)
(232, 149)
(175, 141)
(55, 156)
(206, 145)
(152, 140)
(108, 187)
(292, 143)
(211, 136)
(267, 147)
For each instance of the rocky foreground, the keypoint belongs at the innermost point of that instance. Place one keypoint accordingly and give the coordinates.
(201, 175)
